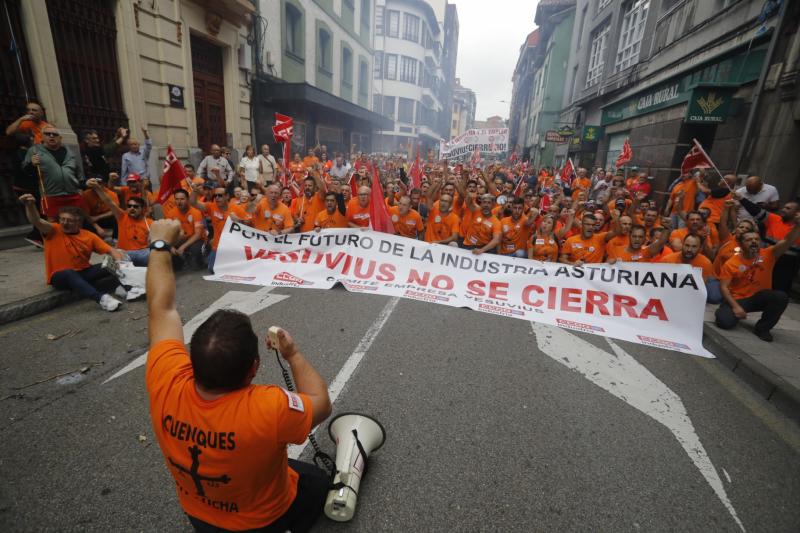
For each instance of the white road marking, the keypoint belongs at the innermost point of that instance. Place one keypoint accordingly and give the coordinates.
(243, 301)
(346, 372)
(727, 476)
(624, 377)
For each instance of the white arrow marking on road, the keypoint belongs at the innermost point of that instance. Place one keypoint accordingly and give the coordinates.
(628, 380)
(346, 372)
(246, 302)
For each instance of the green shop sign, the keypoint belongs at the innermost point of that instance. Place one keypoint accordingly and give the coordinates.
(592, 133)
(720, 76)
(709, 105)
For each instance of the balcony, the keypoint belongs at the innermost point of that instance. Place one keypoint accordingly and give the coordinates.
(673, 25)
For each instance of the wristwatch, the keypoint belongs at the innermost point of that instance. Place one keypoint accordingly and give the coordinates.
(160, 246)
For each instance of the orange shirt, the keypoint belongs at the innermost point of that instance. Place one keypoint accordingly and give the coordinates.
(307, 209)
(680, 235)
(63, 252)
(545, 248)
(699, 260)
(191, 221)
(580, 184)
(95, 204)
(326, 220)
(618, 241)
(589, 250)
(33, 129)
(227, 456)
(621, 253)
(133, 234)
(516, 234)
(310, 161)
(480, 229)
(715, 207)
(218, 217)
(725, 252)
(441, 227)
(748, 276)
(356, 214)
(267, 218)
(408, 225)
(777, 229)
(689, 187)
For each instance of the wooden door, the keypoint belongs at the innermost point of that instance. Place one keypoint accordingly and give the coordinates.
(209, 92)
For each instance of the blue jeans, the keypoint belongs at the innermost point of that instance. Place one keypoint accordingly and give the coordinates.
(211, 258)
(518, 253)
(713, 292)
(138, 257)
(677, 222)
(81, 281)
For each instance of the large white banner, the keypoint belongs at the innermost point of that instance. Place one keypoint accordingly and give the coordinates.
(657, 305)
(487, 141)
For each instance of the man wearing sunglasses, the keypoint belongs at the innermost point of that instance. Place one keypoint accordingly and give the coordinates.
(57, 171)
(218, 210)
(132, 223)
(67, 250)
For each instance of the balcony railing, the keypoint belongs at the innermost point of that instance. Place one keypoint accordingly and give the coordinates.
(673, 25)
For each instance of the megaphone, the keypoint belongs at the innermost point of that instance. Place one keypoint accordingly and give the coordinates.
(356, 437)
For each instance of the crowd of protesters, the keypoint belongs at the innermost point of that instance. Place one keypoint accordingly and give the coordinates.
(745, 243)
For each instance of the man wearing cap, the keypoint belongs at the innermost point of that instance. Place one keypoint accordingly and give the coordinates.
(134, 161)
(133, 189)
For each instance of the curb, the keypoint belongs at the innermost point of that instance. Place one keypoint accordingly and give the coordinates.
(34, 305)
(772, 387)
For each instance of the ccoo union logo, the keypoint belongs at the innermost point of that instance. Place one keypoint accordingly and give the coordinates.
(290, 279)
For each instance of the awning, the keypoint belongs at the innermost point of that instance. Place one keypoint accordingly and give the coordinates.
(277, 93)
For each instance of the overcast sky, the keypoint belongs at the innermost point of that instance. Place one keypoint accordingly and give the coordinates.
(490, 34)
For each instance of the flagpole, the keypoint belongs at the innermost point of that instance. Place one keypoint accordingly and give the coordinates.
(700, 147)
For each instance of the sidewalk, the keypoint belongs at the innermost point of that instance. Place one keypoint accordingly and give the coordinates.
(772, 369)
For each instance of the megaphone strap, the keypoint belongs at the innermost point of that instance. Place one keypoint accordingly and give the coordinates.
(361, 451)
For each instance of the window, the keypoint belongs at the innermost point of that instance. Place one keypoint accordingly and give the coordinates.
(324, 51)
(408, 69)
(631, 33)
(347, 67)
(379, 20)
(391, 66)
(388, 106)
(365, 12)
(405, 112)
(294, 32)
(393, 29)
(377, 102)
(411, 28)
(363, 78)
(596, 55)
(377, 66)
(583, 22)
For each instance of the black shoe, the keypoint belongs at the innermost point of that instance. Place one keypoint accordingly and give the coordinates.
(763, 335)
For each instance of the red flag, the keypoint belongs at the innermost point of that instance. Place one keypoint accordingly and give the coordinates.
(625, 155)
(567, 171)
(282, 131)
(378, 212)
(518, 188)
(415, 172)
(696, 158)
(172, 177)
(476, 157)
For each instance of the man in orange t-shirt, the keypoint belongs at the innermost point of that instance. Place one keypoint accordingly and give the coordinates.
(746, 283)
(406, 221)
(589, 246)
(358, 209)
(223, 437)
(635, 251)
(189, 250)
(67, 250)
(443, 223)
(482, 230)
(218, 210)
(132, 223)
(306, 206)
(516, 230)
(681, 200)
(333, 214)
(272, 215)
(691, 254)
(100, 213)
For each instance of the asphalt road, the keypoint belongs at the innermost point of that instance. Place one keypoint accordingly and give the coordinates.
(493, 425)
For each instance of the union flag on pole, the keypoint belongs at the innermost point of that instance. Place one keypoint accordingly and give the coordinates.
(283, 131)
(625, 155)
(567, 171)
(173, 175)
(696, 158)
(378, 212)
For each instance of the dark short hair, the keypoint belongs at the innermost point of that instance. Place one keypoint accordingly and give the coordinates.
(692, 236)
(181, 191)
(223, 350)
(518, 201)
(590, 217)
(330, 194)
(638, 227)
(137, 199)
(72, 210)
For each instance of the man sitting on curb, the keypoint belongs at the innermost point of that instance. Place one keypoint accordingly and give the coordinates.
(746, 283)
(67, 249)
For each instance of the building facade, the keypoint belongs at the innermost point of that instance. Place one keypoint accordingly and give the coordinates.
(464, 103)
(664, 72)
(414, 72)
(314, 61)
(177, 67)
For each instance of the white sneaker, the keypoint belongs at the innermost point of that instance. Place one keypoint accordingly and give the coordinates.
(135, 293)
(108, 303)
(120, 292)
